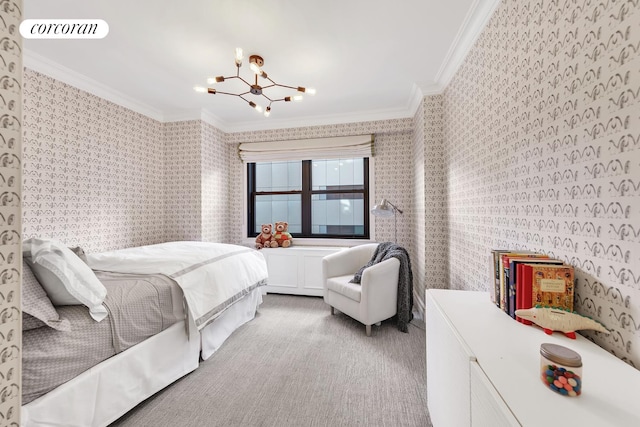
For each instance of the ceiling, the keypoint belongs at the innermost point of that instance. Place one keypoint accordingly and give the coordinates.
(368, 60)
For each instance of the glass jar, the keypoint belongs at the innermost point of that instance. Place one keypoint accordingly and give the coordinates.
(561, 369)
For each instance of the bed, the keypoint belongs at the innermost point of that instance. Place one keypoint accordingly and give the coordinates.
(164, 316)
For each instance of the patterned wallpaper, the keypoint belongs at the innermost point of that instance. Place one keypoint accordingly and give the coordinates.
(182, 187)
(431, 192)
(419, 247)
(10, 211)
(196, 182)
(93, 170)
(542, 152)
(216, 163)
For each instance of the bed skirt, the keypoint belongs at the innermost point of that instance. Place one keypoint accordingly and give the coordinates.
(244, 310)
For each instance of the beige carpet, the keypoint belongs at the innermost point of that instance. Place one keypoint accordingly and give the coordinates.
(296, 365)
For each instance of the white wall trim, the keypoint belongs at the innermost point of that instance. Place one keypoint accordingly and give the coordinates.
(432, 89)
(417, 95)
(473, 25)
(66, 75)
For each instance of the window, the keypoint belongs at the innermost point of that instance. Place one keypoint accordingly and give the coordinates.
(318, 198)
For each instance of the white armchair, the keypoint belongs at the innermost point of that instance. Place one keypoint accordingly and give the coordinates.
(371, 301)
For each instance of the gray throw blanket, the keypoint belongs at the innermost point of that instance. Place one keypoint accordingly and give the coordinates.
(383, 252)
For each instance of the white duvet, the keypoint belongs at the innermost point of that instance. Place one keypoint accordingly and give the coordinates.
(212, 276)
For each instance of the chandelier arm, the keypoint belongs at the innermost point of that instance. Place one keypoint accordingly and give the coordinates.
(245, 82)
(288, 87)
(229, 93)
(268, 86)
(270, 100)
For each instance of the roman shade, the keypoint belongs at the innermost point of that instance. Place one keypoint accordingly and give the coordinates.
(306, 149)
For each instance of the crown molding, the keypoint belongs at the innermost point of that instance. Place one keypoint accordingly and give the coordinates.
(415, 99)
(210, 118)
(66, 75)
(473, 25)
(432, 89)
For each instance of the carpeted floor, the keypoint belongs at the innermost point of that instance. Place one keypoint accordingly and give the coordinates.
(296, 365)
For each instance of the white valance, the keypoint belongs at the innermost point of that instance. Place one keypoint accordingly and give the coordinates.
(307, 149)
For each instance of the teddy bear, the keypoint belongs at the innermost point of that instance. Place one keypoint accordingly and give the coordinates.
(282, 236)
(266, 239)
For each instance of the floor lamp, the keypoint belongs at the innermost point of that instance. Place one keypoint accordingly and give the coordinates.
(386, 209)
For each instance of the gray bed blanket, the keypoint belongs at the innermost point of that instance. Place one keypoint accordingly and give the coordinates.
(139, 307)
(383, 252)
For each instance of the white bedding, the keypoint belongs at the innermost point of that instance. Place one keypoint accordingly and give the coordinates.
(213, 276)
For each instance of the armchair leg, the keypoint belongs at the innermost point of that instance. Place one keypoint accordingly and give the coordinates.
(333, 311)
(368, 330)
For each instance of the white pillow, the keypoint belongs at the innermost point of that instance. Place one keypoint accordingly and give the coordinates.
(66, 279)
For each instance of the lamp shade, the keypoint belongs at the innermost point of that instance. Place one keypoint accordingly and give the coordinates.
(383, 209)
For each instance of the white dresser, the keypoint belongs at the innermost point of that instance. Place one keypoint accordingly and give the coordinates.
(296, 270)
(483, 370)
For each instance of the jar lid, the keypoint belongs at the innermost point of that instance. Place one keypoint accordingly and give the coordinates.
(561, 355)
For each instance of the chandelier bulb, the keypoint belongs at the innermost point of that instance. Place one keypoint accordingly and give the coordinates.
(211, 80)
(308, 90)
(297, 98)
(255, 106)
(267, 112)
(255, 68)
(200, 89)
(239, 56)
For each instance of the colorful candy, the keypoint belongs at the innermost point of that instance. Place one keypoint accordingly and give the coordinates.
(561, 369)
(562, 381)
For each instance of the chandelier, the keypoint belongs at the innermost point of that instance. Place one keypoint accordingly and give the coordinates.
(255, 64)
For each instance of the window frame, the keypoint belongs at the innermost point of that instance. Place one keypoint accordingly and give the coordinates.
(306, 194)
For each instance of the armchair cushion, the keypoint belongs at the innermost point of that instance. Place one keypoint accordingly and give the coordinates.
(341, 285)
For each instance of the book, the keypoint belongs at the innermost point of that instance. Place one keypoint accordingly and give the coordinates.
(495, 268)
(504, 274)
(514, 282)
(547, 285)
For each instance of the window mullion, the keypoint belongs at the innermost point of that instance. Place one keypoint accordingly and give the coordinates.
(251, 195)
(306, 198)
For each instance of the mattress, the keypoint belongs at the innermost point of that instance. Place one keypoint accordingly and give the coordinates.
(139, 306)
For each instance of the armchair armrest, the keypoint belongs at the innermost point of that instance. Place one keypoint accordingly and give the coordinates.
(380, 289)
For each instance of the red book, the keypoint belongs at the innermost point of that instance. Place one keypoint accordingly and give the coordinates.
(512, 275)
(519, 280)
(547, 285)
(504, 274)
